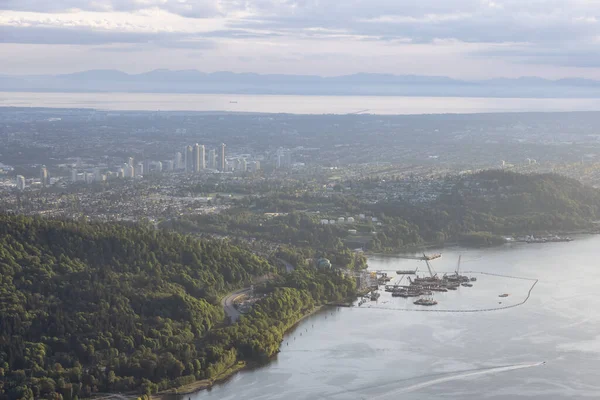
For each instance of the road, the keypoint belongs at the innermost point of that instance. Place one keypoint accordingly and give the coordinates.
(228, 307)
(288, 267)
(228, 301)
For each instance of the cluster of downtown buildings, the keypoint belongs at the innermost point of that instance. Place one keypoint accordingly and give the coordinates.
(193, 159)
(44, 179)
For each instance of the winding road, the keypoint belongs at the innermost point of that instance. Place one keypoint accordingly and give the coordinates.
(228, 301)
(288, 267)
(228, 306)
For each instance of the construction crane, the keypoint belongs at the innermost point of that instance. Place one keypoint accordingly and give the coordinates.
(431, 271)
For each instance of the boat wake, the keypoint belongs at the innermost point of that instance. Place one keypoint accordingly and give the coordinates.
(460, 375)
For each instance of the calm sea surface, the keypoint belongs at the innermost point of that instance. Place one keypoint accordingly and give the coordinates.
(384, 353)
(292, 104)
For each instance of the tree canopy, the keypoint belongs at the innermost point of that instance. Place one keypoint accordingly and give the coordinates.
(88, 307)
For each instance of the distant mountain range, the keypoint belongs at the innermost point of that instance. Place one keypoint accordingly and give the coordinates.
(192, 81)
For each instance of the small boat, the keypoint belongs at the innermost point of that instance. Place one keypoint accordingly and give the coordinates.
(426, 301)
(504, 295)
(375, 296)
(473, 279)
(426, 280)
(233, 102)
(466, 284)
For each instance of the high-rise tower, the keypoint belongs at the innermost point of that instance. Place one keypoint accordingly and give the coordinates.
(212, 159)
(189, 162)
(44, 175)
(222, 160)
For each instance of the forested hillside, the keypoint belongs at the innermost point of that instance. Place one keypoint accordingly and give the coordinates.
(479, 209)
(110, 307)
(491, 203)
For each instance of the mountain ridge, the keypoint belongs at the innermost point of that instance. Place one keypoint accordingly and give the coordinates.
(195, 81)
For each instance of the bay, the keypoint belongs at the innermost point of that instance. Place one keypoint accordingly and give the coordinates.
(547, 348)
(293, 104)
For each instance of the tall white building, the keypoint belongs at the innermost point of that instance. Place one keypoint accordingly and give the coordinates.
(139, 170)
(178, 162)
(189, 162)
(73, 175)
(202, 157)
(284, 158)
(130, 161)
(20, 182)
(159, 166)
(212, 159)
(243, 165)
(222, 158)
(199, 158)
(128, 171)
(44, 176)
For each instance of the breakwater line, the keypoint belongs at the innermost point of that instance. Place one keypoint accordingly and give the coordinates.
(475, 310)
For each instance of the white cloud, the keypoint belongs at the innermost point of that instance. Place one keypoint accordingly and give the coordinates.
(424, 19)
(442, 37)
(149, 20)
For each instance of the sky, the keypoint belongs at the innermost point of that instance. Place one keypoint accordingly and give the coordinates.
(465, 39)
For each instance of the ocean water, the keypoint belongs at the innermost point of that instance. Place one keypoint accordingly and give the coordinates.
(547, 348)
(385, 105)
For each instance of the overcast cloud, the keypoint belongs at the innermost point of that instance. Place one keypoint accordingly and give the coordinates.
(458, 38)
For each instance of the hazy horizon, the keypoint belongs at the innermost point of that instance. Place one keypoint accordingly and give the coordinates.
(286, 74)
(360, 84)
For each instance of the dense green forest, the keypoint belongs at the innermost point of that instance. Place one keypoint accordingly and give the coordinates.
(480, 210)
(88, 307)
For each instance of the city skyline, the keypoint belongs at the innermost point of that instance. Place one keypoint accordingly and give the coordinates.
(195, 163)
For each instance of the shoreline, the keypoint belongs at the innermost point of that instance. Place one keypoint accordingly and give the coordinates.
(205, 384)
(199, 385)
(425, 246)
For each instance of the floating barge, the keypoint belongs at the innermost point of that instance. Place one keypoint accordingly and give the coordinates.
(406, 272)
(544, 239)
